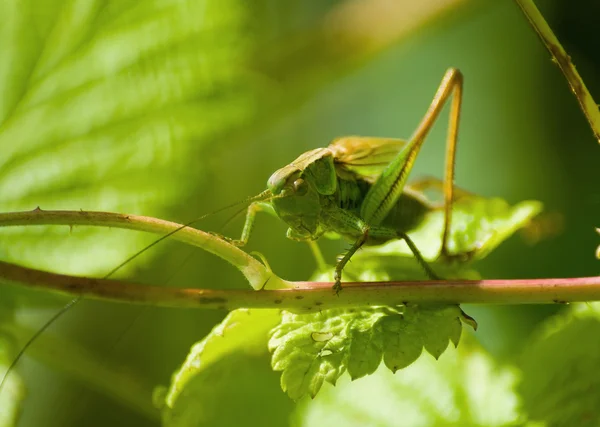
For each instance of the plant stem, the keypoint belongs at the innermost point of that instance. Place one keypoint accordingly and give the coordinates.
(560, 56)
(308, 296)
(252, 269)
(294, 295)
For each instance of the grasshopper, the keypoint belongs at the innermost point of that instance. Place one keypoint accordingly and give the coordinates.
(357, 187)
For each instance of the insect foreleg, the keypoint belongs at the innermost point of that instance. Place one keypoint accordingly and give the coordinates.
(253, 209)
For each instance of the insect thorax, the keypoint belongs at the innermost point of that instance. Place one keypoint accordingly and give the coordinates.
(404, 216)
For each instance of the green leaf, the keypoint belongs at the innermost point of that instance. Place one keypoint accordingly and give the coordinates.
(465, 387)
(311, 349)
(100, 104)
(561, 381)
(226, 377)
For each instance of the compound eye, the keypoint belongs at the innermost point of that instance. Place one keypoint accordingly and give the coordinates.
(300, 187)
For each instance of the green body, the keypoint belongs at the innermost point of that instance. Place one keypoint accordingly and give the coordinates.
(316, 196)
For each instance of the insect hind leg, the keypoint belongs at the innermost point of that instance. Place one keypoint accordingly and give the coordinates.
(356, 226)
(424, 264)
(450, 86)
(454, 79)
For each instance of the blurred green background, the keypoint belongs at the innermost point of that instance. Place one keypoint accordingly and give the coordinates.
(177, 108)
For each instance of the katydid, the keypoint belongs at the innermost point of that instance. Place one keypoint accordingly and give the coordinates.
(356, 187)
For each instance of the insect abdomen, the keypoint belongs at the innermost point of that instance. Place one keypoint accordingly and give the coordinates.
(407, 213)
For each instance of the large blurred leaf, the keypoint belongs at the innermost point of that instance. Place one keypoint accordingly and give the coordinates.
(100, 103)
(561, 382)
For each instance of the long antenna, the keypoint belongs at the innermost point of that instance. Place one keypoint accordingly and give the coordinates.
(262, 196)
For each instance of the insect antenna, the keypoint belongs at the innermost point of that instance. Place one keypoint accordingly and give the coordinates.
(261, 196)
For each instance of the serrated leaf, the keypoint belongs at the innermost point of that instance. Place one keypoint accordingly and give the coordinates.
(465, 387)
(315, 348)
(561, 382)
(365, 351)
(446, 323)
(234, 353)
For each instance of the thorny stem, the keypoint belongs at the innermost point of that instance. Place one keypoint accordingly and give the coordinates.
(315, 295)
(298, 296)
(543, 30)
(306, 296)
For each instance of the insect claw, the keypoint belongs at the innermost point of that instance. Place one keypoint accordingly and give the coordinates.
(337, 287)
(460, 258)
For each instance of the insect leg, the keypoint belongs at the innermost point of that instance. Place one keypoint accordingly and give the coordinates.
(385, 192)
(354, 225)
(455, 80)
(452, 84)
(381, 233)
(337, 275)
(253, 209)
(424, 265)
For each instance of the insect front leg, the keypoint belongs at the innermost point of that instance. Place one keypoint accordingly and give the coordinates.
(251, 212)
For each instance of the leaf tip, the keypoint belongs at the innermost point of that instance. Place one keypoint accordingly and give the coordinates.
(468, 320)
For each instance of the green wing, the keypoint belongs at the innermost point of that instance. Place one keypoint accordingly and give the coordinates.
(364, 156)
